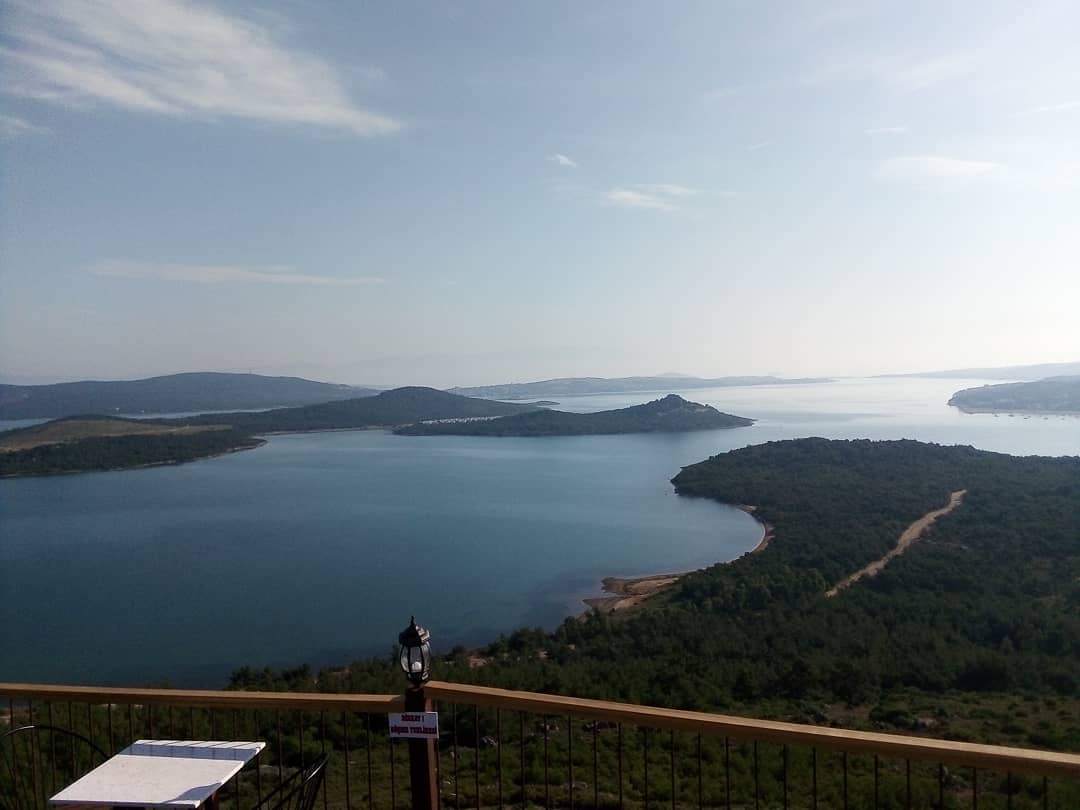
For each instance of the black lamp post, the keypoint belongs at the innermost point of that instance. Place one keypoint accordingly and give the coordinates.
(415, 660)
(415, 654)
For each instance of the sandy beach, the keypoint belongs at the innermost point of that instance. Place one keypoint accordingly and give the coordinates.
(629, 592)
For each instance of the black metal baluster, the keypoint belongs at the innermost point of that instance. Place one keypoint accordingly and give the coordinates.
(1046, 794)
(280, 753)
(345, 728)
(844, 755)
(521, 746)
(547, 760)
(813, 776)
(150, 720)
(131, 723)
(370, 782)
(595, 765)
(1008, 790)
(700, 785)
(191, 723)
(671, 741)
(875, 782)
(172, 729)
(52, 752)
(300, 723)
(393, 781)
(476, 759)
(258, 763)
(498, 755)
(941, 785)
(785, 753)
(645, 801)
(108, 715)
(620, 752)
(570, 756)
(757, 783)
(907, 782)
(974, 789)
(453, 721)
(727, 772)
(322, 750)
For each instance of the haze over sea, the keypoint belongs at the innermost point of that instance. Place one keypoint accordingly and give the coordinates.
(317, 547)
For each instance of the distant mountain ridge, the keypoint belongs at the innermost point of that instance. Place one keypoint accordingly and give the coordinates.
(195, 391)
(571, 386)
(1052, 395)
(1035, 372)
(671, 414)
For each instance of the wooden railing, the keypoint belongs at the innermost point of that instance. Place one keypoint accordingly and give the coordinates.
(502, 748)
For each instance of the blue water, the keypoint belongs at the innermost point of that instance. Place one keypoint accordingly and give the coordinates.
(317, 548)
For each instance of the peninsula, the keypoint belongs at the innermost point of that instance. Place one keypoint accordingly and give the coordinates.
(97, 443)
(671, 414)
(1054, 395)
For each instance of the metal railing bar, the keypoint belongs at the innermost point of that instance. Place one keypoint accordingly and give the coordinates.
(925, 749)
(206, 698)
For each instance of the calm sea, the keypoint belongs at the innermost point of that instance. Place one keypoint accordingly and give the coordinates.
(317, 548)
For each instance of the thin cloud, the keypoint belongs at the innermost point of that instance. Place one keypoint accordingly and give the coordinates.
(173, 58)
(936, 169)
(886, 131)
(899, 74)
(760, 145)
(562, 160)
(11, 126)
(1053, 108)
(667, 189)
(635, 198)
(222, 274)
(651, 196)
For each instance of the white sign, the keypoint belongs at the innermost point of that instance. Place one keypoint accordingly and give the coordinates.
(414, 725)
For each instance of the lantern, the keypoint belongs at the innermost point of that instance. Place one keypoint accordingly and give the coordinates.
(415, 654)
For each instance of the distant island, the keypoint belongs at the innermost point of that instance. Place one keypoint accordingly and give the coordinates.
(98, 443)
(671, 414)
(579, 386)
(1055, 395)
(93, 443)
(1034, 372)
(200, 391)
(388, 409)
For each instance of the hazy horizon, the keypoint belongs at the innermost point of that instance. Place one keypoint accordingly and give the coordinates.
(45, 380)
(484, 193)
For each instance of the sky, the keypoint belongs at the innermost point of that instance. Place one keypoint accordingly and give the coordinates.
(451, 193)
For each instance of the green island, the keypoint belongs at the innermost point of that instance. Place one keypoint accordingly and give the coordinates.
(667, 415)
(972, 634)
(97, 443)
(1054, 395)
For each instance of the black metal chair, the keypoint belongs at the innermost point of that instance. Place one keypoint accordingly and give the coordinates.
(40, 760)
(298, 792)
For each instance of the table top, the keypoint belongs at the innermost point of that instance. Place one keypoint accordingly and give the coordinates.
(161, 773)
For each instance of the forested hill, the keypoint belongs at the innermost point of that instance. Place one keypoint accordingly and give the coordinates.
(1052, 395)
(400, 406)
(202, 391)
(670, 414)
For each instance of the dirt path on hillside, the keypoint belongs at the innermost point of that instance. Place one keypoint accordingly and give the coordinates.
(912, 533)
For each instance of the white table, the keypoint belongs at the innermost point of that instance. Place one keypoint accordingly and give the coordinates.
(160, 773)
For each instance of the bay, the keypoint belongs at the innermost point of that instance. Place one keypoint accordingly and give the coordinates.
(318, 547)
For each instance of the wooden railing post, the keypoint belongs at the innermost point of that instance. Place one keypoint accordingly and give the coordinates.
(423, 776)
